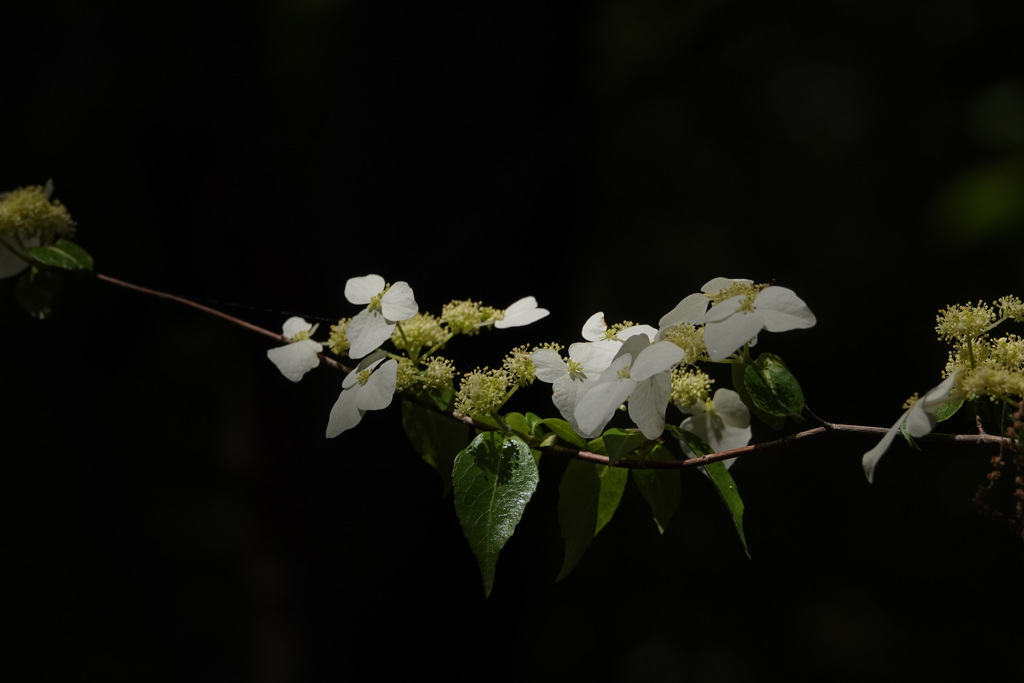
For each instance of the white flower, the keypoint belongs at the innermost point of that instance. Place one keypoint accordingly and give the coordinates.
(522, 312)
(733, 322)
(638, 372)
(386, 306)
(689, 310)
(723, 423)
(920, 420)
(570, 378)
(370, 386)
(299, 356)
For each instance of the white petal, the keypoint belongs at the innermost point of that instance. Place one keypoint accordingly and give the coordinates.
(635, 330)
(594, 356)
(689, 310)
(781, 310)
(648, 402)
(730, 407)
(294, 326)
(655, 359)
(722, 339)
(921, 419)
(345, 414)
(566, 394)
(594, 328)
(366, 332)
(599, 402)
(10, 263)
(870, 459)
(723, 309)
(521, 313)
(367, 363)
(379, 390)
(296, 359)
(398, 303)
(549, 365)
(359, 290)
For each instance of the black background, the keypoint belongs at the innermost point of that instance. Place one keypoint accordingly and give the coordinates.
(173, 509)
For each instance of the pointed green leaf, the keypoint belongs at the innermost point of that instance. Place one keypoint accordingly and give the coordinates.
(719, 475)
(436, 438)
(948, 409)
(588, 496)
(726, 487)
(564, 432)
(493, 479)
(660, 488)
(517, 421)
(63, 254)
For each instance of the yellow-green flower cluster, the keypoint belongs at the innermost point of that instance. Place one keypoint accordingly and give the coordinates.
(29, 212)
(437, 373)
(964, 321)
(737, 288)
(466, 317)
(689, 338)
(422, 331)
(989, 367)
(482, 392)
(338, 342)
(407, 376)
(519, 366)
(690, 386)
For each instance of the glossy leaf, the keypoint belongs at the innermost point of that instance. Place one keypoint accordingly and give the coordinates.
(494, 478)
(738, 375)
(719, 475)
(63, 254)
(660, 488)
(772, 387)
(564, 431)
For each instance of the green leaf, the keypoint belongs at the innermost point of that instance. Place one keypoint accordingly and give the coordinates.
(564, 432)
(948, 409)
(719, 475)
(494, 478)
(518, 422)
(588, 496)
(616, 443)
(660, 488)
(772, 387)
(63, 254)
(726, 487)
(738, 375)
(436, 438)
(37, 291)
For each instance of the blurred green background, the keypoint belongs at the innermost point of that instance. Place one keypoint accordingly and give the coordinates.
(173, 504)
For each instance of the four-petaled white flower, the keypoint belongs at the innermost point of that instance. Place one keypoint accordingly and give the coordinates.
(920, 420)
(370, 386)
(639, 372)
(723, 423)
(571, 378)
(386, 306)
(299, 356)
(522, 312)
(733, 322)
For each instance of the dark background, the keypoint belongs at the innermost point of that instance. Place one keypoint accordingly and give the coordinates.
(174, 512)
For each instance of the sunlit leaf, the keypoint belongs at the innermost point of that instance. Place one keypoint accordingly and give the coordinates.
(494, 478)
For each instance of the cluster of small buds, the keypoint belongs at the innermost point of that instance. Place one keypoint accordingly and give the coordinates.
(690, 386)
(465, 316)
(731, 288)
(338, 342)
(28, 212)
(688, 337)
(438, 373)
(964, 321)
(481, 392)
(519, 366)
(423, 331)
